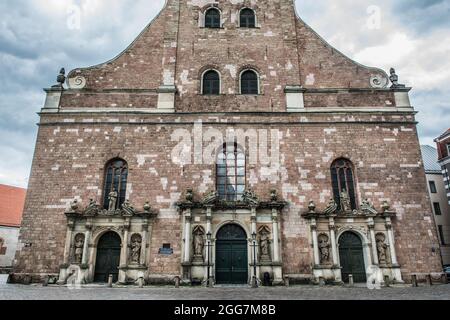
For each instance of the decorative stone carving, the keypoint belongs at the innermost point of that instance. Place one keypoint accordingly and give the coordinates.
(92, 208)
(385, 207)
(112, 197)
(382, 248)
(78, 248)
(249, 197)
(264, 243)
(332, 207)
(136, 247)
(211, 198)
(78, 82)
(189, 195)
(345, 201)
(60, 79)
(147, 207)
(324, 248)
(394, 79)
(128, 208)
(367, 207)
(273, 195)
(378, 81)
(74, 205)
(312, 207)
(199, 243)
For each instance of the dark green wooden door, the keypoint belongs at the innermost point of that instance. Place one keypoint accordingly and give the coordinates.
(231, 256)
(108, 257)
(352, 258)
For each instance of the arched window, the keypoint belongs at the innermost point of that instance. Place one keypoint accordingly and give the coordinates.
(343, 180)
(249, 82)
(231, 172)
(116, 174)
(248, 18)
(211, 83)
(212, 18)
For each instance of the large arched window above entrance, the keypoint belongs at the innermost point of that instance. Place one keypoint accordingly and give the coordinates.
(247, 18)
(249, 82)
(116, 175)
(231, 172)
(231, 232)
(211, 83)
(212, 18)
(342, 176)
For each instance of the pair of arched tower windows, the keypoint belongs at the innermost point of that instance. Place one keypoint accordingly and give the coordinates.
(247, 18)
(230, 177)
(249, 83)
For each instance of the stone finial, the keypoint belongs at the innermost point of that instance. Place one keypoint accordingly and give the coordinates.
(312, 207)
(273, 195)
(386, 207)
(394, 79)
(74, 205)
(189, 195)
(147, 206)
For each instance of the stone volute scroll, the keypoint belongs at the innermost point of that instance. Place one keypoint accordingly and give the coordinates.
(136, 248)
(198, 243)
(264, 244)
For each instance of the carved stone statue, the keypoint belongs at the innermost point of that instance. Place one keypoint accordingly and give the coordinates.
(210, 198)
(189, 195)
(381, 248)
(264, 243)
(92, 207)
(250, 198)
(74, 205)
(128, 208)
(324, 248)
(345, 201)
(112, 197)
(273, 195)
(332, 207)
(78, 248)
(199, 243)
(136, 246)
(312, 207)
(147, 207)
(386, 207)
(60, 79)
(367, 207)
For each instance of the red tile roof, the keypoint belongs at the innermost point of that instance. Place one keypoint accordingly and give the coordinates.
(12, 201)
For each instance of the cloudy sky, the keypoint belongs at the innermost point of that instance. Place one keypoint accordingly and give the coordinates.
(37, 37)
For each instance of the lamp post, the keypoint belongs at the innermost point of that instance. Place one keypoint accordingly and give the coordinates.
(208, 244)
(254, 281)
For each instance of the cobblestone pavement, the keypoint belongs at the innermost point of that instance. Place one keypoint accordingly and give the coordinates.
(38, 292)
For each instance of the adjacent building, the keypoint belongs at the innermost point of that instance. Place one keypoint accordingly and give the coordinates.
(229, 142)
(439, 199)
(12, 201)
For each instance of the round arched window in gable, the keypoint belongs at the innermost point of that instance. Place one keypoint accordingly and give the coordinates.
(212, 18)
(115, 188)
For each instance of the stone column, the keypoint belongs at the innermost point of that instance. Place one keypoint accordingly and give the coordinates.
(253, 219)
(124, 251)
(276, 240)
(87, 240)
(391, 241)
(208, 219)
(374, 241)
(333, 242)
(208, 230)
(68, 244)
(315, 242)
(144, 243)
(187, 236)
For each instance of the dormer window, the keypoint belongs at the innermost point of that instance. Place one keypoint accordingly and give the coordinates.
(247, 18)
(212, 18)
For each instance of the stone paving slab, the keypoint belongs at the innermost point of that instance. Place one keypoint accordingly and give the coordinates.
(38, 292)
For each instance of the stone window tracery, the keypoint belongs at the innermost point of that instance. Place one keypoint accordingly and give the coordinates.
(115, 188)
(231, 172)
(342, 178)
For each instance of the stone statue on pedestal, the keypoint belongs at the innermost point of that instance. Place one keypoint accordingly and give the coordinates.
(324, 248)
(79, 247)
(112, 197)
(136, 246)
(345, 201)
(381, 248)
(199, 243)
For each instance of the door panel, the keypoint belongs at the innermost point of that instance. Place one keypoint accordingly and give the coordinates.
(352, 258)
(108, 258)
(231, 262)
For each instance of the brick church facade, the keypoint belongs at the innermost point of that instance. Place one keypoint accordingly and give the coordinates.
(230, 138)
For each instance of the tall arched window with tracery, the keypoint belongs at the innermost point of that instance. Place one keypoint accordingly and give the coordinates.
(342, 176)
(231, 172)
(116, 175)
